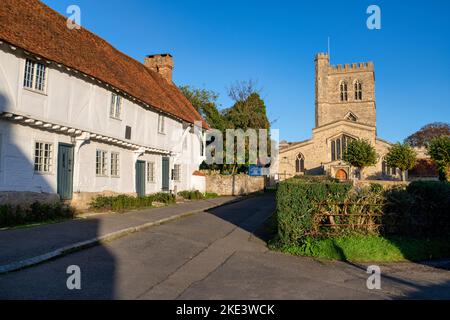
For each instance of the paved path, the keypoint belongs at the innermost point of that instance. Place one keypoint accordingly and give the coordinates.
(216, 254)
(32, 242)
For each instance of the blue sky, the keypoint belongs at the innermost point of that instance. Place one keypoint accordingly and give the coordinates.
(215, 43)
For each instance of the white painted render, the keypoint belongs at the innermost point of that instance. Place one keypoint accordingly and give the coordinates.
(75, 101)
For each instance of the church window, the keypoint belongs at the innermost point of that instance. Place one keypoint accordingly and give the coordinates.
(339, 146)
(300, 163)
(358, 90)
(344, 91)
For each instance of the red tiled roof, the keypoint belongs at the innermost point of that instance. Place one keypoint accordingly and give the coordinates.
(38, 29)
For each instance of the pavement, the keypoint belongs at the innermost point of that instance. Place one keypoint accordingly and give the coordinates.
(219, 253)
(38, 244)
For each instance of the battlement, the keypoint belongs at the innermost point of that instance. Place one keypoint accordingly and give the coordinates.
(354, 67)
(322, 55)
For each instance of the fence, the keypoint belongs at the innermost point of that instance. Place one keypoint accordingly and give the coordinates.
(335, 219)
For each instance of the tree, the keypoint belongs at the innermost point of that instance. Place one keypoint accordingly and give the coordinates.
(401, 156)
(439, 151)
(427, 133)
(360, 154)
(242, 90)
(205, 101)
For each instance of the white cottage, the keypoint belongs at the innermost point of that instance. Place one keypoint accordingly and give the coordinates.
(79, 118)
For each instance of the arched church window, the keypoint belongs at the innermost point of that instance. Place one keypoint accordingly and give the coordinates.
(300, 163)
(339, 146)
(358, 90)
(386, 170)
(344, 91)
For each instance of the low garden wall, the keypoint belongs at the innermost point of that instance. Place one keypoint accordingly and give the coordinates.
(228, 185)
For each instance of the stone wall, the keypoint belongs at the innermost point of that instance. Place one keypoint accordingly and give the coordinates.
(234, 185)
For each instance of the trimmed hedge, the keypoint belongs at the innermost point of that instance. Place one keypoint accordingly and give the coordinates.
(11, 216)
(297, 203)
(420, 209)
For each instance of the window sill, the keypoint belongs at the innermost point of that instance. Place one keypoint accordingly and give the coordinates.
(43, 173)
(114, 118)
(42, 93)
(101, 176)
(115, 177)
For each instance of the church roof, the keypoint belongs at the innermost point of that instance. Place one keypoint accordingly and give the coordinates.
(39, 30)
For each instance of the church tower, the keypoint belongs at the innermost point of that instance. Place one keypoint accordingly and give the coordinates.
(344, 92)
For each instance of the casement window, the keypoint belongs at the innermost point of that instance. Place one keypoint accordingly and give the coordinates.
(101, 165)
(176, 172)
(116, 106)
(43, 157)
(115, 164)
(300, 163)
(161, 124)
(339, 146)
(344, 91)
(150, 172)
(35, 76)
(358, 90)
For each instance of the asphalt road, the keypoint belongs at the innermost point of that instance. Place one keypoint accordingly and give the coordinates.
(216, 255)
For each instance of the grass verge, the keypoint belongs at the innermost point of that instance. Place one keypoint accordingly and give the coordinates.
(370, 249)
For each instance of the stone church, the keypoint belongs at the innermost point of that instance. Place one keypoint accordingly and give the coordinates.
(345, 110)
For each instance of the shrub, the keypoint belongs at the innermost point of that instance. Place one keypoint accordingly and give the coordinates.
(162, 197)
(297, 204)
(191, 195)
(38, 212)
(211, 195)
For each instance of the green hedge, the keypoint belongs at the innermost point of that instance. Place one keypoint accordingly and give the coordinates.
(297, 203)
(11, 216)
(420, 209)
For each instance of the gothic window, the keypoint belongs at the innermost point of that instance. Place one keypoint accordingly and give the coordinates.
(386, 170)
(358, 90)
(339, 146)
(344, 91)
(300, 163)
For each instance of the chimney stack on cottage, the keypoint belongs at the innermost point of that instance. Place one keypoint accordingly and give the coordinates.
(162, 64)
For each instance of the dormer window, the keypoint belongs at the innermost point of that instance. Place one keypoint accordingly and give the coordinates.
(358, 90)
(35, 76)
(344, 91)
(116, 106)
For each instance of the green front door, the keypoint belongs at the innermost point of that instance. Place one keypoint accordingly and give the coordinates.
(165, 173)
(140, 178)
(65, 171)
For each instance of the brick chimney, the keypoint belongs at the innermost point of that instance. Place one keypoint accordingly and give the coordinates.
(162, 64)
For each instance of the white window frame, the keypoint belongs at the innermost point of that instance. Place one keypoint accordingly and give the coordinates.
(115, 108)
(115, 164)
(151, 172)
(103, 163)
(176, 172)
(161, 124)
(32, 84)
(43, 164)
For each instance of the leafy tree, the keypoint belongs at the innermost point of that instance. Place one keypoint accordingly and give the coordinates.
(248, 111)
(439, 151)
(360, 154)
(427, 133)
(401, 156)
